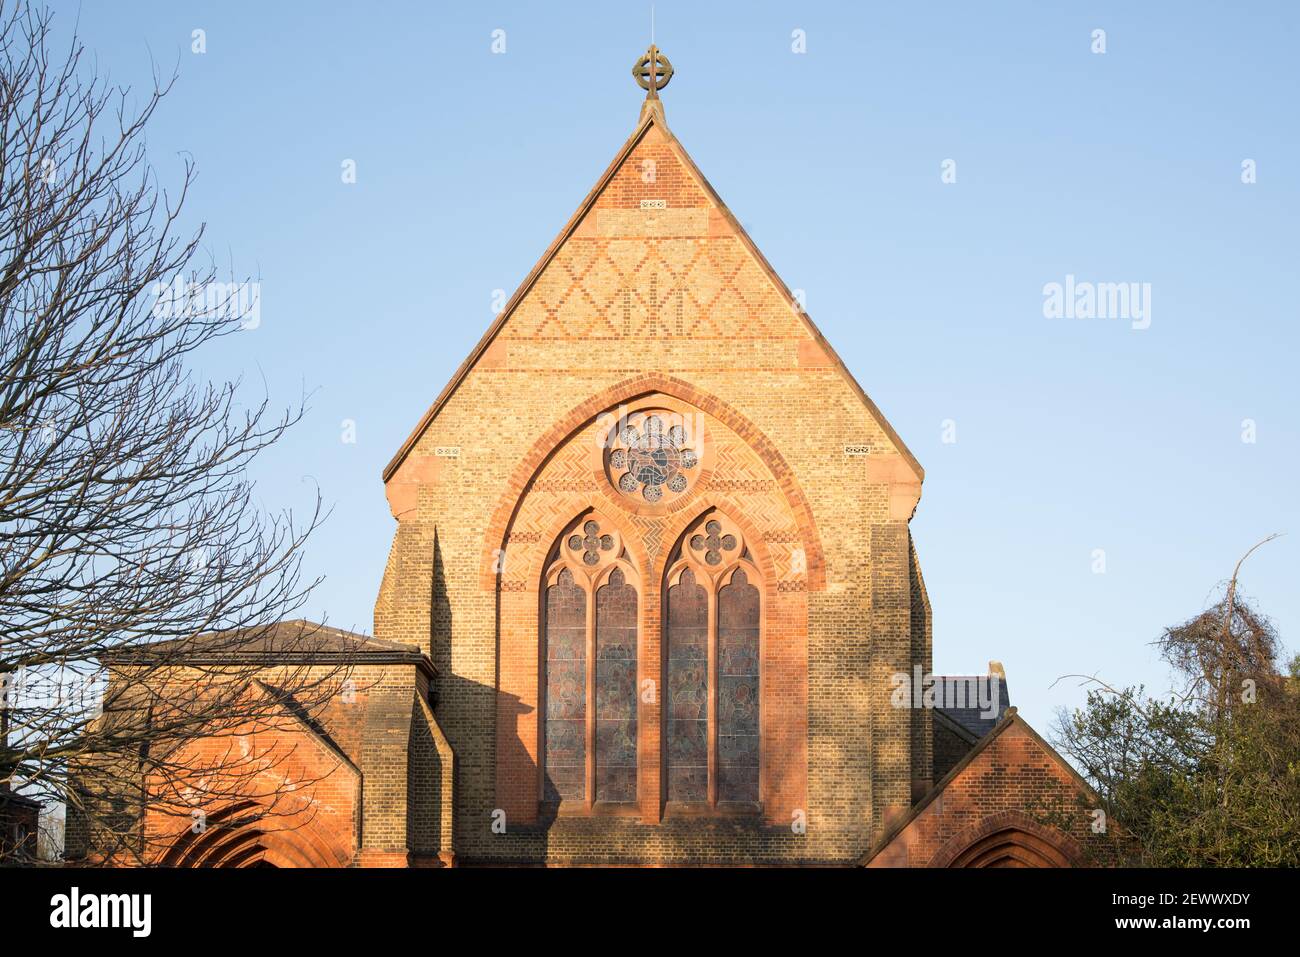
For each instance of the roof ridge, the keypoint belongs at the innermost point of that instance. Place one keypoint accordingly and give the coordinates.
(914, 811)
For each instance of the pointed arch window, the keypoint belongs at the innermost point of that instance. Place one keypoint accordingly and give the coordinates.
(712, 645)
(590, 617)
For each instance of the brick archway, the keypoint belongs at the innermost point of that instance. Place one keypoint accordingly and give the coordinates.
(627, 391)
(1009, 839)
(241, 836)
(554, 484)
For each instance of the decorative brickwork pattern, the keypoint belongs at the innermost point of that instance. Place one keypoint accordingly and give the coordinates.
(653, 538)
(667, 606)
(661, 305)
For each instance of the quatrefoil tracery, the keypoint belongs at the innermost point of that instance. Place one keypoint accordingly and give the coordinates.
(712, 545)
(591, 542)
(713, 542)
(589, 547)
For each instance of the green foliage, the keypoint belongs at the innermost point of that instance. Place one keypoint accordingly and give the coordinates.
(1211, 776)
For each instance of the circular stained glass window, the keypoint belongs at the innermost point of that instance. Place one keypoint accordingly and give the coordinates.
(653, 455)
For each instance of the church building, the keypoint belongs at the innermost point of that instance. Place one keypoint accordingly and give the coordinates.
(652, 597)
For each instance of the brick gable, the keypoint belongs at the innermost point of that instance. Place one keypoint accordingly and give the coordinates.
(1011, 800)
(653, 294)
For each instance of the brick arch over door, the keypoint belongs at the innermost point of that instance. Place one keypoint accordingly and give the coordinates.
(1008, 839)
(242, 835)
(625, 392)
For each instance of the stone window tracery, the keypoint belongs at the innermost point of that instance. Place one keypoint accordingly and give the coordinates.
(712, 621)
(653, 456)
(710, 682)
(590, 617)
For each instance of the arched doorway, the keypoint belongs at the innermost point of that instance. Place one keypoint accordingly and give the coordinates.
(1009, 839)
(242, 836)
(1011, 847)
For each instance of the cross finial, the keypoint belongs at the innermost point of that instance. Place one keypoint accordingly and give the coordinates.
(652, 72)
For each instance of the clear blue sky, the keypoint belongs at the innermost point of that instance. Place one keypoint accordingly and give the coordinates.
(1072, 435)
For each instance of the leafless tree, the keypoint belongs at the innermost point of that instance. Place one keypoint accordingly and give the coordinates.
(1224, 646)
(136, 568)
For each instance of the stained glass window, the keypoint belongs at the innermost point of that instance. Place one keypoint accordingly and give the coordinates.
(616, 690)
(712, 542)
(651, 458)
(712, 684)
(687, 692)
(590, 543)
(590, 633)
(566, 690)
(738, 612)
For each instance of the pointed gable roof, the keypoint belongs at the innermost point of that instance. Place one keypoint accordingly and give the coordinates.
(651, 117)
(1010, 718)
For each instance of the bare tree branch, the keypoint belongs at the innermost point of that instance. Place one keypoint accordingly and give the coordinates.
(127, 518)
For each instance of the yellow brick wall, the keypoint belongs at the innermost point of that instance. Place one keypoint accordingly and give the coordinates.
(677, 293)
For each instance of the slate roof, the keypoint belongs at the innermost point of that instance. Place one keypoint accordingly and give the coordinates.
(296, 641)
(967, 691)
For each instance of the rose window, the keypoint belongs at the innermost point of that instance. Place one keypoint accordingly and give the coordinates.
(652, 458)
